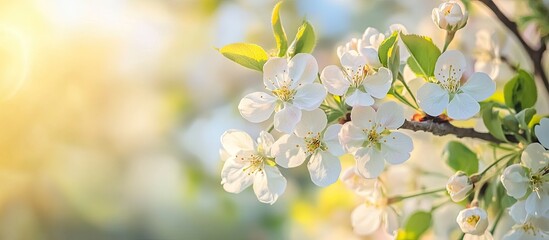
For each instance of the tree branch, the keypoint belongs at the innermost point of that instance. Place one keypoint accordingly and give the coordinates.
(535, 55)
(445, 128)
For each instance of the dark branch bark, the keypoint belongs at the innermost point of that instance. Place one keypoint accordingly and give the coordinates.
(445, 128)
(535, 55)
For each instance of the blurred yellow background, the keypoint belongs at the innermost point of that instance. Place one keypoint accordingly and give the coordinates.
(111, 113)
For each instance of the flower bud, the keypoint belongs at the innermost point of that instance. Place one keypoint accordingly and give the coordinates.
(473, 221)
(449, 16)
(459, 186)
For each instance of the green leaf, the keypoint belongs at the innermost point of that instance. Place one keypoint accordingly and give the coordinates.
(460, 158)
(383, 50)
(490, 117)
(423, 54)
(246, 54)
(305, 40)
(416, 225)
(278, 31)
(520, 92)
(525, 116)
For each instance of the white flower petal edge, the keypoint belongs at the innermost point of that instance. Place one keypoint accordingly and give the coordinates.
(432, 99)
(269, 185)
(257, 107)
(515, 180)
(473, 220)
(334, 80)
(324, 168)
(234, 141)
(358, 184)
(287, 118)
(542, 132)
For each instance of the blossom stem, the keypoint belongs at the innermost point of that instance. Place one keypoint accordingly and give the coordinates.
(271, 128)
(449, 37)
(396, 199)
(401, 79)
(500, 214)
(497, 161)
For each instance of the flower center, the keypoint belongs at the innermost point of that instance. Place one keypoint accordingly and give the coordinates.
(472, 220)
(357, 76)
(313, 143)
(528, 228)
(452, 83)
(284, 93)
(376, 202)
(256, 163)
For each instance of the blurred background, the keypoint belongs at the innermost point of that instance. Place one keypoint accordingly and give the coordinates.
(111, 113)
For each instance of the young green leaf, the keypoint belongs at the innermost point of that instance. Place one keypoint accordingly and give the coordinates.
(491, 120)
(416, 225)
(383, 50)
(393, 62)
(460, 158)
(423, 54)
(278, 31)
(246, 54)
(305, 40)
(520, 92)
(525, 116)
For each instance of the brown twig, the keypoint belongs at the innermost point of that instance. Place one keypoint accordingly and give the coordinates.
(445, 128)
(535, 55)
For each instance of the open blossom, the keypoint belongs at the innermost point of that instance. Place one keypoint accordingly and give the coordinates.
(460, 100)
(358, 184)
(371, 138)
(373, 213)
(487, 55)
(527, 181)
(291, 89)
(251, 163)
(531, 228)
(312, 140)
(449, 16)
(459, 186)
(473, 221)
(542, 132)
(358, 81)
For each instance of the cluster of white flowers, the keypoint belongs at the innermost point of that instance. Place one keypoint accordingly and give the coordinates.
(298, 95)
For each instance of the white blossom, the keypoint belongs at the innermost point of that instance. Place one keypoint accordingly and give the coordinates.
(358, 81)
(473, 220)
(487, 53)
(291, 89)
(460, 100)
(374, 213)
(450, 16)
(371, 138)
(527, 183)
(358, 184)
(312, 140)
(251, 163)
(459, 186)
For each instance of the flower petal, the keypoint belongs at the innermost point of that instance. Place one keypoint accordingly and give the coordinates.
(372, 58)
(542, 132)
(363, 117)
(324, 168)
(450, 66)
(396, 147)
(234, 141)
(391, 221)
(537, 205)
(312, 123)
(287, 118)
(514, 179)
(379, 83)
(462, 107)
(479, 86)
(361, 186)
(257, 107)
(333, 79)
(351, 137)
(269, 184)
(303, 69)
(535, 157)
(331, 140)
(432, 99)
(366, 220)
(390, 115)
(289, 151)
(265, 141)
(518, 212)
(274, 70)
(359, 98)
(310, 96)
(369, 162)
(233, 178)
(352, 61)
